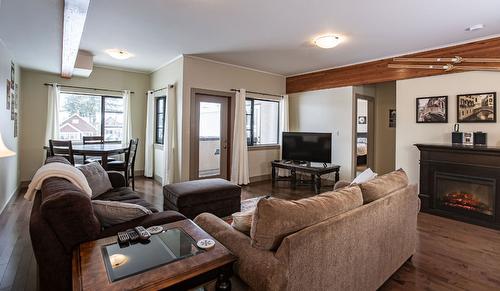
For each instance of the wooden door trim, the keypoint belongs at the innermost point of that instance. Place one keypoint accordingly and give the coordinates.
(371, 131)
(193, 122)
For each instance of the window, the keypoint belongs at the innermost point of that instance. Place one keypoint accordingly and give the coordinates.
(160, 119)
(262, 120)
(90, 115)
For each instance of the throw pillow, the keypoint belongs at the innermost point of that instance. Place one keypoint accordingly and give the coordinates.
(364, 177)
(383, 185)
(113, 212)
(97, 178)
(242, 221)
(274, 219)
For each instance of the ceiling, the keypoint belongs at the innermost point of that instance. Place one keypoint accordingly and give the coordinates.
(273, 36)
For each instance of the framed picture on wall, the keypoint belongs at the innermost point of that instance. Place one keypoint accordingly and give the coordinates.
(432, 109)
(7, 96)
(479, 107)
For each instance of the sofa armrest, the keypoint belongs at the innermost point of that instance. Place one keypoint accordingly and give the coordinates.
(341, 184)
(259, 269)
(146, 221)
(117, 179)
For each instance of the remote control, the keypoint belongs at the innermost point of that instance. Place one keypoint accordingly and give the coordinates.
(132, 234)
(143, 233)
(123, 237)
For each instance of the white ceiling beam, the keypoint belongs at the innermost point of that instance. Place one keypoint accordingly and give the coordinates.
(75, 13)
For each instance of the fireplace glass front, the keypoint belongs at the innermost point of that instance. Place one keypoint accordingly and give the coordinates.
(465, 194)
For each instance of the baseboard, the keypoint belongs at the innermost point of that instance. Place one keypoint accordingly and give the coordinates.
(12, 196)
(139, 173)
(260, 178)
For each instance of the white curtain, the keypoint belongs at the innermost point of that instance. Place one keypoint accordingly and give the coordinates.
(284, 127)
(239, 156)
(170, 146)
(127, 118)
(52, 127)
(149, 142)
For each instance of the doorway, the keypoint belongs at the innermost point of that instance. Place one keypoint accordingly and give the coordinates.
(365, 126)
(209, 136)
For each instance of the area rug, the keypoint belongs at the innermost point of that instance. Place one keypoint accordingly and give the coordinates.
(246, 205)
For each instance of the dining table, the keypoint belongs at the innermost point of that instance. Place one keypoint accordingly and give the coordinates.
(98, 150)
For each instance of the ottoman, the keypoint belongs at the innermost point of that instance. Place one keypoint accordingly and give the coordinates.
(217, 196)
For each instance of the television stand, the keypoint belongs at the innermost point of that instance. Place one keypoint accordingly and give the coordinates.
(315, 171)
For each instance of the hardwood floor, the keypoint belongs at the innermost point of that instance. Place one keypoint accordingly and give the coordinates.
(450, 255)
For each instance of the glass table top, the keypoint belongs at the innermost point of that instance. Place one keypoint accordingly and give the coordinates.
(124, 260)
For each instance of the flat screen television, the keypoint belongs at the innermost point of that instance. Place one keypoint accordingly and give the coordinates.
(307, 147)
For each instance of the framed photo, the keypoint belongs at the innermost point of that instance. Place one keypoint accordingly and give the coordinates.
(7, 96)
(480, 107)
(12, 75)
(432, 109)
(361, 119)
(392, 117)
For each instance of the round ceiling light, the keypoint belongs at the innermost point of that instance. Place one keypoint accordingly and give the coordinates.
(119, 54)
(327, 41)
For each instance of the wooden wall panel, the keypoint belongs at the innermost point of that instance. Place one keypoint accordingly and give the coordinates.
(377, 71)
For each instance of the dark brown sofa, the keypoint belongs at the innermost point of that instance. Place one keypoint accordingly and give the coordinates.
(62, 217)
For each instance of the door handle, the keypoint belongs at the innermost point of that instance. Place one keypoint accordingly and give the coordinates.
(224, 145)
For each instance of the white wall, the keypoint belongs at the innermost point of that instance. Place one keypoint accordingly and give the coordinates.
(34, 107)
(329, 110)
(204, 74)
(170, 74)
(9, 167)
(408, 132)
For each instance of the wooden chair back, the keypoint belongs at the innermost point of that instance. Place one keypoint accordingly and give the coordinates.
(131, 153)
(63, 148)
(93, 140)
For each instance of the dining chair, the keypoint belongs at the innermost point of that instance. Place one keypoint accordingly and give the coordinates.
(63, 148)
(127, 166)
(94, 140)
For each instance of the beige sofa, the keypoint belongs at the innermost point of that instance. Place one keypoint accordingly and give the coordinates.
(351, 239)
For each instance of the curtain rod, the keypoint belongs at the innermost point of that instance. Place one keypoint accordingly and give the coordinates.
(88, 88)
(154, 91)
(266, 94)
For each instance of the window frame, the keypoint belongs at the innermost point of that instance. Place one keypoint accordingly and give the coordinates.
(103, 111)
(164, 113)
(251, 143)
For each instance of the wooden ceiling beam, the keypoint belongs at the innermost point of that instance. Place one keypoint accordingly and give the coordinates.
(378, 71)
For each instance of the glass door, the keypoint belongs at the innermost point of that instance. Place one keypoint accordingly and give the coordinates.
(210, 140)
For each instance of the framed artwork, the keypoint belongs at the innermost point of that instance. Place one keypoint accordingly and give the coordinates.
(479, 107)
(392, 117)
(7, 96)
(432, 109)
(12, 75)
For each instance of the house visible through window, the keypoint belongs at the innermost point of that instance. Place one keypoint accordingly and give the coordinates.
(90, 115)
(262, 122)
(160, 107)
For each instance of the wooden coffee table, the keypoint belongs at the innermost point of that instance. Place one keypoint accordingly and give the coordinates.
(89, 270)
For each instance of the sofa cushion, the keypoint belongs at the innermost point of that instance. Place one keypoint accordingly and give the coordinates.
(274, 219)
(383, 185)
(97, 178)
(66, 208)
(126, 195)
(242, 221)
(115, 212)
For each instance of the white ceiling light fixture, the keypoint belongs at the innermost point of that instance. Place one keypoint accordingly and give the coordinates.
(75, 13)
(119, 54)
(475, 27)
(327, 41)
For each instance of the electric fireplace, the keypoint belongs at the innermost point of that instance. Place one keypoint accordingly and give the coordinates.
(460, 182)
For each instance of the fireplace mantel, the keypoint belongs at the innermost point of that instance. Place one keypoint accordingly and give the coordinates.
(476, 171)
